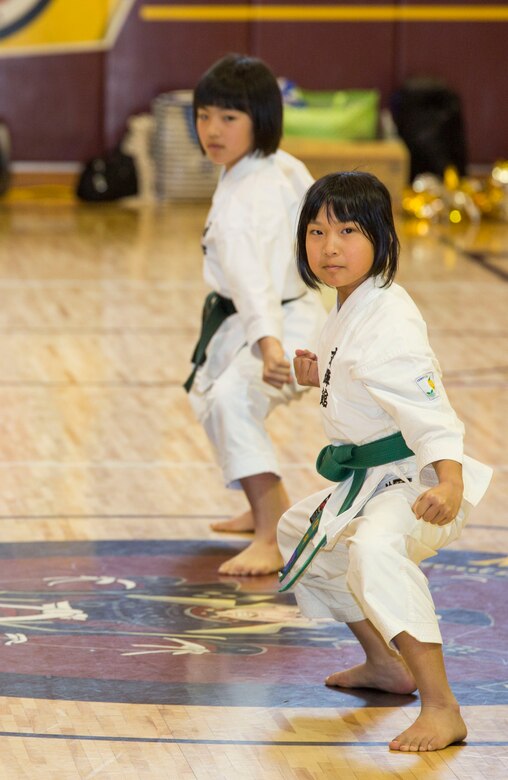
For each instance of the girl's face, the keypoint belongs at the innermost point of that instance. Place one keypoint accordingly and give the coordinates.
(339, 254)
(225, 134)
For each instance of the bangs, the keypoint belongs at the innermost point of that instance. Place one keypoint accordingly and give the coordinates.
(213, 92)
(344, 209)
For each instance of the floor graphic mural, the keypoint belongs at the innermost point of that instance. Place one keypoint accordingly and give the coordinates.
(151, 621)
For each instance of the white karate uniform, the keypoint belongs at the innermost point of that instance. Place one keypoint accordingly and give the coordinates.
(378, 375)
(249, 248)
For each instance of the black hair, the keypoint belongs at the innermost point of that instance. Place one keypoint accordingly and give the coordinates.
(245, 84)
(352, 196)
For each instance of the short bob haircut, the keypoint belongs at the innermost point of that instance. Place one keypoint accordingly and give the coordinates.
(245, 84)
(352, 196)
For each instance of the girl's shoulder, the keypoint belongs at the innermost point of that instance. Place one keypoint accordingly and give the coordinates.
(264, 187)
(393, 299)
(389, 326)
(247, 203)
(374, 315)
(292, 168)
(279, 170)
(391, 309)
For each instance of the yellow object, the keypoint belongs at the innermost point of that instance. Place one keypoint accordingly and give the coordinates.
(70, 23)
(40, 194)
(219, 12)
(457, 200)
(451, 178)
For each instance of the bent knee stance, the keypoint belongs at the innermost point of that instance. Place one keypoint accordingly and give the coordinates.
(374, 563)
(391, 588)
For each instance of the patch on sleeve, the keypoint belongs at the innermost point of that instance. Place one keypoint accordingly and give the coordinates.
(427, 385)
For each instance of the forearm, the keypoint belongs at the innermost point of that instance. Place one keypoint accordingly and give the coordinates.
(267, 343)
(449, 471)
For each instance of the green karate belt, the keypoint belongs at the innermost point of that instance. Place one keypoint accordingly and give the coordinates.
(337, 464)
(216, 309)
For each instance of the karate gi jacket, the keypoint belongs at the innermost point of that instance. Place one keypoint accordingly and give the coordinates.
(249, 257)
(378, 375)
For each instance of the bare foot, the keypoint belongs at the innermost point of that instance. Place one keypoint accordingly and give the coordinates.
(257, 559)
(241, 524)
(392, 676)
(434, 729)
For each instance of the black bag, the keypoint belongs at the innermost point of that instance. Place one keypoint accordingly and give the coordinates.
(428, 116)
(108, 178)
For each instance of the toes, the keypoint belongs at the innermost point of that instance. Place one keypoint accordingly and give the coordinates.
(336, 681)
(229, 568)
(405, 744)
(252, 562)
(238, 569)
(233, 571)
(399, 746)
(427, 734)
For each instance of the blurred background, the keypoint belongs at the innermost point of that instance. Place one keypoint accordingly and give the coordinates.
(72, 72)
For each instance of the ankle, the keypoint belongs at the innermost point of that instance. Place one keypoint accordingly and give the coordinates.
(267, 540)
(388, 659)
(439, 701)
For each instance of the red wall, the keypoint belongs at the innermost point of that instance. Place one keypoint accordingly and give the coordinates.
(70, 107)
(53, 105)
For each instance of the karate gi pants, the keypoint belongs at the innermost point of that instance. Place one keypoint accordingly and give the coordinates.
(233, 410)
(372, 571)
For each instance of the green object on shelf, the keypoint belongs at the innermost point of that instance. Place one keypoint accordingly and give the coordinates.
(347, 115)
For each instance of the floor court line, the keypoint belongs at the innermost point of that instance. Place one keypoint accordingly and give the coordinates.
(120, 384)
(137, 516)
(235, 742)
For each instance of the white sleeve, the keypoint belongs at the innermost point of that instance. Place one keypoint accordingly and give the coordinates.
(247, 249)
(408, 387)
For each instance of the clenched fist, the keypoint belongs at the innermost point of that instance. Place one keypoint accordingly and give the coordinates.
(306, 368)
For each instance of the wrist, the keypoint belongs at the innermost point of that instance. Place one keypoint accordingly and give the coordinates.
(267, 343)
(449, 471)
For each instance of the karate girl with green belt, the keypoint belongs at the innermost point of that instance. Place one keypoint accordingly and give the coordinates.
(404, 487)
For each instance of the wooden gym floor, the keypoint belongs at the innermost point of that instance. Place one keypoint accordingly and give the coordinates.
(122, 652)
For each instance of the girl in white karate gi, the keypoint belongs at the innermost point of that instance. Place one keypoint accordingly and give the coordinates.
(381, 388)
(261, 308)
